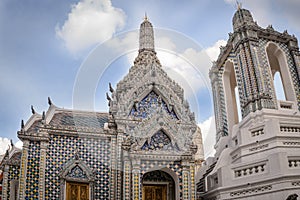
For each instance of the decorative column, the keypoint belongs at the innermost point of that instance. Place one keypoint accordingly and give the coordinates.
(218, 105)
(136, 180)
(113, 179)
(186, 180)
(296, 57)
(5, 188)
(43, 151)
(192, 175)
(119, 164)
(126, 176)
(23, 170)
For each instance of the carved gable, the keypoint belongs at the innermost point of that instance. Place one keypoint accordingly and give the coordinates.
(152, 103)
(159, 141)
(77, 172)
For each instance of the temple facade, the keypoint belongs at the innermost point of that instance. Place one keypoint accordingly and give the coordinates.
(257, 152)
(148, 145)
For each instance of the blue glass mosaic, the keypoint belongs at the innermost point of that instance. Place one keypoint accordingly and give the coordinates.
(149, 105)
(159, 141)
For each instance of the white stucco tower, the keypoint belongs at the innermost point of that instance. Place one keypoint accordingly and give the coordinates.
(257, 153)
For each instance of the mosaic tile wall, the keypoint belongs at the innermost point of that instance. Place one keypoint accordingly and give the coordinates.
(32, 175)
(13, 173)
(95, 152)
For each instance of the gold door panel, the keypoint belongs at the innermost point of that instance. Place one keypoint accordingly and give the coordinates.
(155, 192)
(77, 191)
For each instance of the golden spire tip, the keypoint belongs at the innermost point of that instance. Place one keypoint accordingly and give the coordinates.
(239, 5)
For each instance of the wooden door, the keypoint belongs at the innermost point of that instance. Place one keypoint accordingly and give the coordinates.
(154, 192)
(77, 191)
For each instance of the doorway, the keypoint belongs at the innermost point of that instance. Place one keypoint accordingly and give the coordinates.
(77, 191)
(157, 192)
(158, 185)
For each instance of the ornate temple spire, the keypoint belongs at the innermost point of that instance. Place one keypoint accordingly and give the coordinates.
(146, 35)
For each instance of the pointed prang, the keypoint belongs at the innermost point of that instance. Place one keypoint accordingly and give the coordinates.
(111, 89)
(146, 38)
(32, 110)
(146, 17)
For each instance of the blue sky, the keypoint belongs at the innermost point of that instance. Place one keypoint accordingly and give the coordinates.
(43, 46)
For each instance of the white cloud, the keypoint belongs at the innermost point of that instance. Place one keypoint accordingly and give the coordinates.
(90, 22)
(19, 144)
(4, 144)
(208, 131)
(181, 68)
(191, 68)
(214, 51)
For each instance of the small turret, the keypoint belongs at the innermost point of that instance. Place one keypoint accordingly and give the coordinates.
(242, 17)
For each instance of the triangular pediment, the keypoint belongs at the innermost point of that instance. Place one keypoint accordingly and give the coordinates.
(151, 103)
(159, 141)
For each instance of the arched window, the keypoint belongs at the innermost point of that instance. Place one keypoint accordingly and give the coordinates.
(231, 99)
(278, 64)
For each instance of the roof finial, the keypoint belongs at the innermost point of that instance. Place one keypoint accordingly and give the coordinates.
(145, 18)
(22, 124)
(49, 101)
(239, 5)
(32, 110)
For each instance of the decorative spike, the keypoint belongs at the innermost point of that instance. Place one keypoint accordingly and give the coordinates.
(239, 5)
(49, 101)
(111, 89)
(32, 109)
(108, 97)
(22, 124)
(43, 116)
(11, 143)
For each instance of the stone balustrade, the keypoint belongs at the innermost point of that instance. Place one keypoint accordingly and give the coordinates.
(290, 129)
(294, 163)
(250, 171)
(257, 132)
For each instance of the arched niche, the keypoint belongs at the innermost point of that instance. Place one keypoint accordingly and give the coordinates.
(229, 83)
(278, 63)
